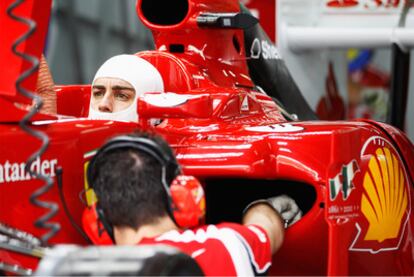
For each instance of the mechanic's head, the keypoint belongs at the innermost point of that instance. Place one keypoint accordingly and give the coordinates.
(117, 85)
(128, 184)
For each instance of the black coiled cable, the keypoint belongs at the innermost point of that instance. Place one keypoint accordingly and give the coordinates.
(406, 8)
(53, 208)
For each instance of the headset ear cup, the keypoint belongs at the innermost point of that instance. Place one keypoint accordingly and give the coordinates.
(94, 228)
(188, 201)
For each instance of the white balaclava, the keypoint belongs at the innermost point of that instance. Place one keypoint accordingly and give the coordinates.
(142, 75)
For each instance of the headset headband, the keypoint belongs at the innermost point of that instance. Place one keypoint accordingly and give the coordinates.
(142, 144)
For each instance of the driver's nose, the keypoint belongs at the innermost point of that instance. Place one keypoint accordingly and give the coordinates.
(106, 105)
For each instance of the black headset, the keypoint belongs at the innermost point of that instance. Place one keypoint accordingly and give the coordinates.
(142, 144)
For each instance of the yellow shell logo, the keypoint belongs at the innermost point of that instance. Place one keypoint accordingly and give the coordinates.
(385, 198)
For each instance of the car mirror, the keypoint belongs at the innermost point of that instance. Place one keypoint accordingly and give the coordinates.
(173, 105)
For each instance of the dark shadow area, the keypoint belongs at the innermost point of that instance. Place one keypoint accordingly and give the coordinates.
(164, 13)
(227, 198)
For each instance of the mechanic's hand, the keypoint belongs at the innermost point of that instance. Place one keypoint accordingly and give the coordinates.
(287, 208)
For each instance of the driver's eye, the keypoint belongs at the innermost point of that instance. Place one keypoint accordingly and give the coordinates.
(122, 96)
(98, 93)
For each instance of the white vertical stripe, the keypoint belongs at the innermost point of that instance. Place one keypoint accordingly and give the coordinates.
(228, 237)
(253, 258)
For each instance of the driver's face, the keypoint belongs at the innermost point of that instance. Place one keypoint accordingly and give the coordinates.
(112, 95)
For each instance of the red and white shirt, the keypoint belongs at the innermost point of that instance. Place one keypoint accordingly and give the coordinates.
(223, 249)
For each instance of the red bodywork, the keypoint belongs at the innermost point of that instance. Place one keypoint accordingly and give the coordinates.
(360, 173)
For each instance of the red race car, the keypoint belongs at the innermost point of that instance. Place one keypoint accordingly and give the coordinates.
(353, 180)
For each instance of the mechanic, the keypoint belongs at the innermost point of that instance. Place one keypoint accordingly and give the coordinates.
(117, 85)
(130, 184)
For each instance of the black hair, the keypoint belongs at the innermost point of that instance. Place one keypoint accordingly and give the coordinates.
(128, 184)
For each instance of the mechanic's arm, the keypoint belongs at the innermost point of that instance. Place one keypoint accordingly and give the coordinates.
(262, 214)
